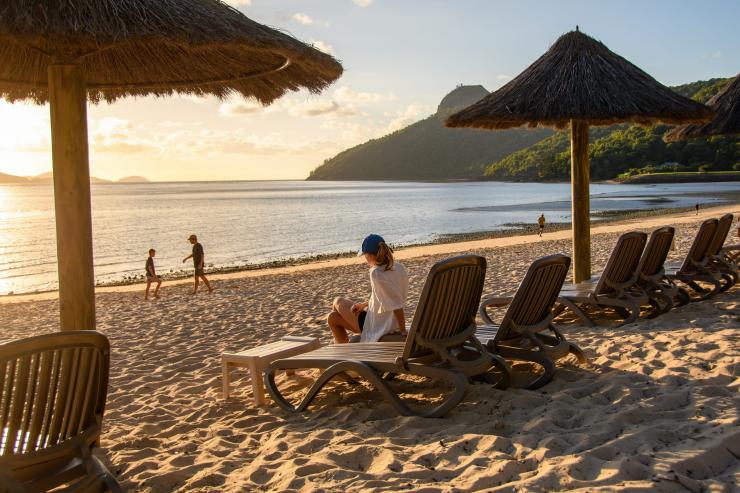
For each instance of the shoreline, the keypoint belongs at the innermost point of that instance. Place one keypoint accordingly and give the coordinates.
(614, 221)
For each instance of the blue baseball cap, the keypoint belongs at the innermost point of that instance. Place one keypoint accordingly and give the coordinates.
(371, 244)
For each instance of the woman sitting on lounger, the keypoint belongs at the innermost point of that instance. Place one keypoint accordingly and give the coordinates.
(383, 314)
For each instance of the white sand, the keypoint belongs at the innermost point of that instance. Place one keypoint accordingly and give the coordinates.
(657, 408)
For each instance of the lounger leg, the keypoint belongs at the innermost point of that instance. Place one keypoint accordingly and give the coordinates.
(458, 380)
(682, 296)
(547, 364)
(576, 351)
(579, 313)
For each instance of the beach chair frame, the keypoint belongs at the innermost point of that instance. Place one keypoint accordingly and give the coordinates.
(441, 345)
(695, 267)
(718, 258)
(663, 292)
(526, 331)
(616, 287)
(53, 390)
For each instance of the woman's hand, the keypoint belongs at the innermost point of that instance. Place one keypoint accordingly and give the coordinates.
(358, 307)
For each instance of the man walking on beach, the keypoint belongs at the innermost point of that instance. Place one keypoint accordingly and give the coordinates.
(697, 208)
(541, 222)
(198, 262)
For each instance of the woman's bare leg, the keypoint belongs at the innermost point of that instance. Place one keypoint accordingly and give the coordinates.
(342, 321)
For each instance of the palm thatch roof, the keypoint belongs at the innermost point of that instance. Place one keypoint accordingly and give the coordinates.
(579, 79)
(726, 105)
(158, 47)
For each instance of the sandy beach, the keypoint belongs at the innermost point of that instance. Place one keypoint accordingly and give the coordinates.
(656, 409)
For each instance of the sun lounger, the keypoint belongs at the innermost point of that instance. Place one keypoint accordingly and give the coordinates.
(663, 292)
(615, 287)
(718, 259)
(441, 344)
(695, 268)
(526, 331)
(53, 391)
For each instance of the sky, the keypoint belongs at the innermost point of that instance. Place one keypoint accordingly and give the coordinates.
(400, 58)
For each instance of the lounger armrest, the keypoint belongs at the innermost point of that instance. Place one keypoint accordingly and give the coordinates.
(492, 301)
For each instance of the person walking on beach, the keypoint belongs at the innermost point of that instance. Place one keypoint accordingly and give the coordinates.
(198, 262)
(151, 275)
(541, 222)
(697, 208)
(383, 313)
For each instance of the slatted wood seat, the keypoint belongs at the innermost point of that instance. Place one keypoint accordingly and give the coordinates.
(695, 268)
(53, 392)
(615, 287)
(526, 331)
(441, 344)
(256, 359)
(662, 291)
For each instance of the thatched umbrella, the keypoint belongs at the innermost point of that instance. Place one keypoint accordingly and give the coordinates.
(66, 52)
(726, 105)
(579, 82)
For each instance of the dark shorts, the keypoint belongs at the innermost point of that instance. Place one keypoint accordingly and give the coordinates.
(361, 319)
(199, 272)
(542, 226)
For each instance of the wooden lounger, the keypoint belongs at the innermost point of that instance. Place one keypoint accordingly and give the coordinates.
(441, 344)
(53, 391)
(718, 258)
(615, 287)
(523, 331)
(696, 268)
(663, 292)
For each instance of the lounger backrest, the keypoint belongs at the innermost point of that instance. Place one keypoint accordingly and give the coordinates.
(53, 389)
(720, 235)
(656, 251)
(448, 301)
(534, 298)
(623, 262)
(698, 251)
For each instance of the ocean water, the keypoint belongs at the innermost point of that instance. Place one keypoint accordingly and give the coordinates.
(241, 223)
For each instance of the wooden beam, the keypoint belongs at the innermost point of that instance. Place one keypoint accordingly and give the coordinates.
(581, 203)
(69, 148)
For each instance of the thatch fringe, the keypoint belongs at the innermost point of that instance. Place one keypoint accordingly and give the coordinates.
(726, 105)
(579, 78)
(158, 47)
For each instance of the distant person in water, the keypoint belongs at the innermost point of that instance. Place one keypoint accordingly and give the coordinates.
(198, 262)
(151, 275)
(541, 222)
(383, 313)
(697, 208)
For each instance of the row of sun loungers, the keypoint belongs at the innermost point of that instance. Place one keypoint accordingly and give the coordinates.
(53, 387)
(445, 342)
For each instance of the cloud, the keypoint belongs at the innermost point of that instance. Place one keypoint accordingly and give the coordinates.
(239, 3)
(503, 77)
(716, 54)
(302, 18)
(347, 95)
(240, 107)
(318, 107)
(115, 135)
(362, 3)
(321, 46)
(406, 117)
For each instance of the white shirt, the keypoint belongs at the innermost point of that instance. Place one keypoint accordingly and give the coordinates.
(389, 289)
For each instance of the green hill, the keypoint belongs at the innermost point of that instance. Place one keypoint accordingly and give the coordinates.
(625, 149)
(427, 150)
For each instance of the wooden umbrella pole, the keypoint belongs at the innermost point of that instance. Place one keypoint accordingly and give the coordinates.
(69, 148)
(581, 203)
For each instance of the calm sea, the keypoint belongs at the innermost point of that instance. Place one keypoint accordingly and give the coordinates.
(242, 223)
